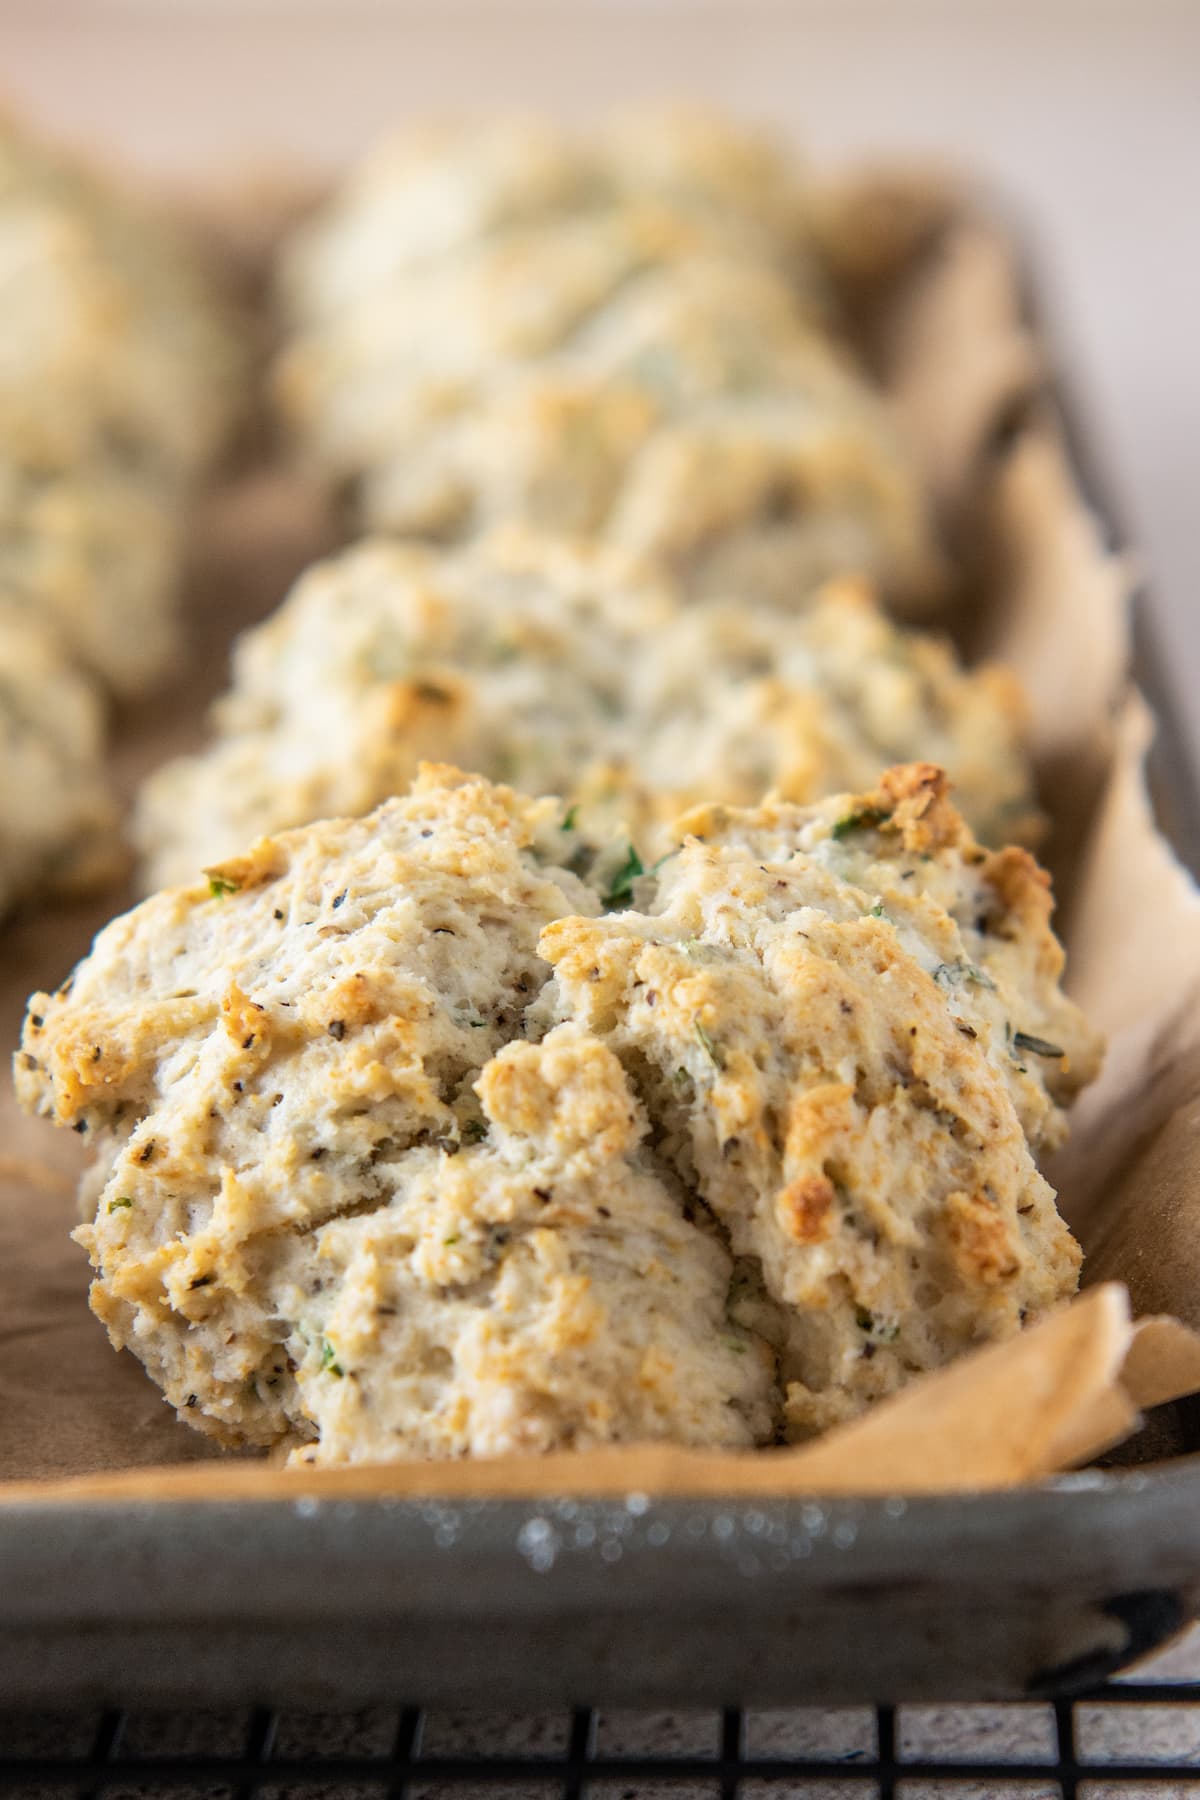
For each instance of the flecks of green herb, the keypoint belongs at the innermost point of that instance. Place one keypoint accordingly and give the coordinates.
(879, 911)
(450, 1240)
(622, 886)
(570, 819)
(664, 858)
(736, 1345)
(682, 1078)
(714, 1053)
(219, 886)
(329, 1362)
(473, 1131)
(688, 946)
(862, 820)
(880, 1331)
(120, 1201)
(1036, 1046)
(949, 974)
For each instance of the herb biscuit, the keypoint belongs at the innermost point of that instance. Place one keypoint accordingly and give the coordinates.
(564, 670)
(624, 335)
(119, 377)
(412, 1141)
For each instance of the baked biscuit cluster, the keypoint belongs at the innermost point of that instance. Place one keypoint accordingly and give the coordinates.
(690, 1105)
(439, 1132)
(118, 376)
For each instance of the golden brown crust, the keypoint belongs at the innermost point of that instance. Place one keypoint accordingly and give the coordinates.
(561, 669)
(410, 1141)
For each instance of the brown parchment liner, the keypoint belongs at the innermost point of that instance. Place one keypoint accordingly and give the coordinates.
(932, 284)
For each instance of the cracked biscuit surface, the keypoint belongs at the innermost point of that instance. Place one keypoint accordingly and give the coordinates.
(848, 1024)
(566, 671)
(406, 1146)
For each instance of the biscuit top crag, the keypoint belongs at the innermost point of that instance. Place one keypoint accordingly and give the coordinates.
(563, 670)
(409, 1142)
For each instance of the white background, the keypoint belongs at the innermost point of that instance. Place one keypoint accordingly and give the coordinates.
(1086, 112)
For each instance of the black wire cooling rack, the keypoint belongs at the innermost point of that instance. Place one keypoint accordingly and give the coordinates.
(1123, 1740)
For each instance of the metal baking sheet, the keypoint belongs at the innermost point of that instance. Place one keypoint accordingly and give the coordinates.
(645, 1602)
(634, 1602)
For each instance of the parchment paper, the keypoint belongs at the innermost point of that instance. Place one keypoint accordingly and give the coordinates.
(934, 289)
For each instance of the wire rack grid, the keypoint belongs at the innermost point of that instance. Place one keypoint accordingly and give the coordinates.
(1125, 1739)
